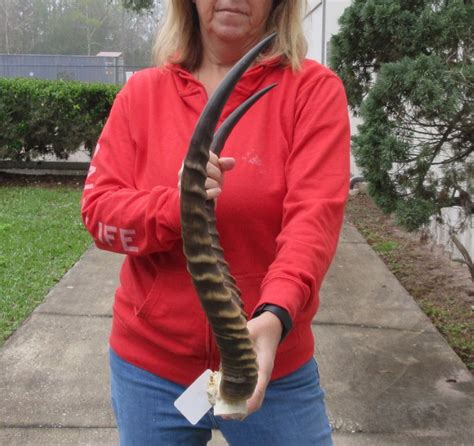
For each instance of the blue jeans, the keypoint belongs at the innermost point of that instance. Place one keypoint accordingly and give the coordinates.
(293, 412)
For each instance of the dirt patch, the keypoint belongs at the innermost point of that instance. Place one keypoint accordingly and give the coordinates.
(19, 180)
(441, 287)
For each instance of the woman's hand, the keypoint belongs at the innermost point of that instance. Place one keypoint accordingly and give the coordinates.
(215, 174)
(265, 332)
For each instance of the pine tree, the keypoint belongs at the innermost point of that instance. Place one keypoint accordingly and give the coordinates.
(407, 67)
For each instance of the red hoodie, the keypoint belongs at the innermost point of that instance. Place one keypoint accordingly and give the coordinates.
(279, 215)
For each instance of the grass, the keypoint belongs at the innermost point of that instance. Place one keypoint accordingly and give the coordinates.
(456, 332)
(41, 237)
(388, 249)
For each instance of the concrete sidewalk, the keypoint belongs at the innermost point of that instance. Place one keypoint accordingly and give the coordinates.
(389, 376)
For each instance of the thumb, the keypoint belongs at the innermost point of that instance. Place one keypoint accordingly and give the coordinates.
(226, 163)
(256, 400)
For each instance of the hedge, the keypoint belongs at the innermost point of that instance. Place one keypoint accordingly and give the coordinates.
(41, 117)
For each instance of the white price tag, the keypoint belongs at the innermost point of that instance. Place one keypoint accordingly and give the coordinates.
(193, 403)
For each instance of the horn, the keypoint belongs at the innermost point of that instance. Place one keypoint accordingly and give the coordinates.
(227, 126)
(208, 120)
(214, 284)
(217, 145)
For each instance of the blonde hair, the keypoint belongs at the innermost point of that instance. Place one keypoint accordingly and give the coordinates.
(178, 39)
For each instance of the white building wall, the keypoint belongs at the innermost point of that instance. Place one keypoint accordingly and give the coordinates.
(315, 35)
(454, 217)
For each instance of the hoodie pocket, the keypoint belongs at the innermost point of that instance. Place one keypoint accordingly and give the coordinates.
(169, 289)
(146, 306)
(173, 309)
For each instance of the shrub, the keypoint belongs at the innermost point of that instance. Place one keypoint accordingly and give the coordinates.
(40, 117)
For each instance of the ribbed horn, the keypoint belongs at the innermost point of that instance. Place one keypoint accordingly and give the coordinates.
(220, 137)
(214, 285)
(218, 141)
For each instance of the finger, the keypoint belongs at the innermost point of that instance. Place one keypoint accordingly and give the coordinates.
(256, 400)
(226, 164)
(213, 193)
(214, 172)
(214, 159)
(211, 184)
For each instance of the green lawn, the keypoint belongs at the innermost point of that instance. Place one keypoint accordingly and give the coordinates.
(41, 237)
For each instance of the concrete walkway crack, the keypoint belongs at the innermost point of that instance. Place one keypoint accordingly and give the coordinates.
(53, 313)
(371, 327)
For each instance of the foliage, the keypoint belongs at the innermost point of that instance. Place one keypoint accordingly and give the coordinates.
(374, 32)
(82, 27)
(416, 137)
(39, 117)
(35, 256)
(138, 5)
(408, 71)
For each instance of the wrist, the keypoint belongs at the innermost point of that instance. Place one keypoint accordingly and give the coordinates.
(265, 332)
(279, 314)
(272, 324)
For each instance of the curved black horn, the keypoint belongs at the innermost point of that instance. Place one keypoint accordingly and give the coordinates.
(207, 122)
(214, 285)
(227, 126)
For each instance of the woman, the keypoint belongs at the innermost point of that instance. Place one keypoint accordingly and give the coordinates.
(279, 217)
